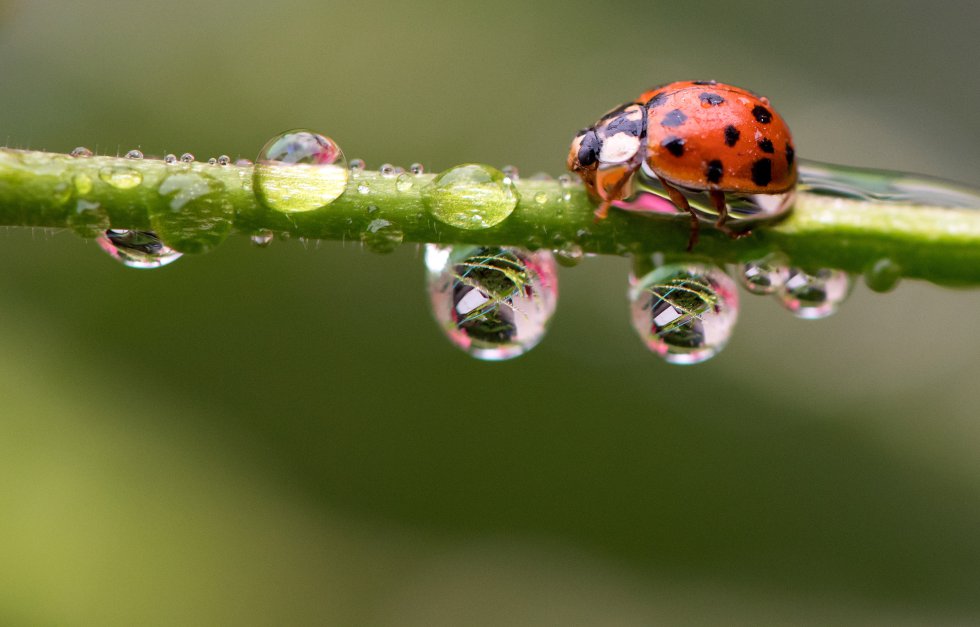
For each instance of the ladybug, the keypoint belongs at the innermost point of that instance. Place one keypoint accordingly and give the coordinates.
(698, 136)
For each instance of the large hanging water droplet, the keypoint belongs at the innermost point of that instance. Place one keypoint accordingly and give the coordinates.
(766, 275)
(382, 236)
(300, 171)
(196, 217)
(470, 196)
(89, 219)
(121, 177)
(685, 312)
(263, 238)
(137, 249)
(494, 303)
(813, 296)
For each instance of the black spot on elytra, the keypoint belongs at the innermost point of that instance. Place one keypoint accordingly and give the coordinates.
(761, 114)
(711, 99)
(674, 118)
(656, 101)
(714, 171)
(674, 145)
(790, 155)
(704, 82)
(588, 151)
(766, 146)
(731, 135)
(762, 172)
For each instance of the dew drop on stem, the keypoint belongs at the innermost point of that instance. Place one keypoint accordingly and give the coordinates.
(471, 196)
(137, 249)
(684, 312)
(495, 303)
(813, 296)
(300, 171)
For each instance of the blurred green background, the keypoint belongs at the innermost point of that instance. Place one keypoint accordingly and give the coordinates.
(283, 436)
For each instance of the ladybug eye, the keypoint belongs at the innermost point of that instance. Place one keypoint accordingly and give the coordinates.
(588, 150)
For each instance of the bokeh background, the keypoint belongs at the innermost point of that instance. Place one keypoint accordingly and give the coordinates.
(283, 436)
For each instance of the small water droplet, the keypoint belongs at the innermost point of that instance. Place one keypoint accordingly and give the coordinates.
(494, 303)
(883, 275)
(243, 163)
(121, 177)
(569, 255)
(134, 154)
(81, 151)
(224, 160)
(416, 168)
(170, 159)
(212, 161)
(404, 182)
(89, 219)
(363, 188)
(187, 158)
(387, 170)
(382, 236)
(470, 196)
(137, 249)
(813, 296)
(541, 198)
(565, 182)
(263, 238)
(357, 165)
(300, 171)
(766, 275)
(197, 215)
(83, 183)
(684, 312)
(512, 172)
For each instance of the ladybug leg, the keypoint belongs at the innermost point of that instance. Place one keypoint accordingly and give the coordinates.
(718, 198)
(680, 201)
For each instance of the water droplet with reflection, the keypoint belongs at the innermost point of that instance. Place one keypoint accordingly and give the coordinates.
(382, 236)
(471, 196)
(766, 275)
(493, 302)
(137, 249)
(196, 215)
(882, 275)
(814, 296)
(300, 171)
(684, 312)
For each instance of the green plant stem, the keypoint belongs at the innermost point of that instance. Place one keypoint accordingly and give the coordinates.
(933, 243)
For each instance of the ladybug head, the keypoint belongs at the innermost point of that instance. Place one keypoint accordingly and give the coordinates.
(583, 157)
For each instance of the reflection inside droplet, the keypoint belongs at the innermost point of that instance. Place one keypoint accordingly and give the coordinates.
(684, 312)
(137, 249)
(813, 296)
(493, 302)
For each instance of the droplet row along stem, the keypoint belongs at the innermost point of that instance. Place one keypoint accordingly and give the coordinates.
(40, 189)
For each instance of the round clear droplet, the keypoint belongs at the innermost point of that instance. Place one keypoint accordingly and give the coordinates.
(416, 168)
(81, 151)
(224, 160)
(263, 238)
(121, 177)
(471, 196)
(170, 159)
(213, 161)
(134, 154)
(357, 165)
(764, 276)
(684, 312)
(387, 170)
(300, 171)
(382, 236)
(883, 275)
(137, 249)
(817, 295)
(196, 215)
(405, 182)
(494, 303)
(569, 255)
(187, 158)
